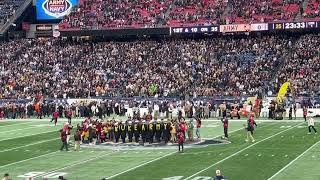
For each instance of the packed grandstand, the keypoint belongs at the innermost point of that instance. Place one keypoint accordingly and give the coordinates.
(166, 66)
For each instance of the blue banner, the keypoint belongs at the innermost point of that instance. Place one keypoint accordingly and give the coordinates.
(54, 9)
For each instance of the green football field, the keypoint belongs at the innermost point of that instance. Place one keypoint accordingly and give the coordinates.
(282, 150)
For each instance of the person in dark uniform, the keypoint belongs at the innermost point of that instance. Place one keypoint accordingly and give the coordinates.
(144, 131)
(290, 113)
(123, 131)
(158, 131)
(130, 130)
(250, 128)
(151, 128)
(166, 131)
(116, 132)
(136, 131)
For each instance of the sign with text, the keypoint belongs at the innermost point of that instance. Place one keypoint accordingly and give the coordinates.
(54, 9)
(235, 28)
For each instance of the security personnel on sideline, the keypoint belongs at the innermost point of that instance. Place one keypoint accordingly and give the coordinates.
(136, 131)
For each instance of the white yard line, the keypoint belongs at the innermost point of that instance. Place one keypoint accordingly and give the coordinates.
(75, 164)
(19, 129)
(240, 151)
(257, 120)
(285, 167)
(15, 137)
(17, 124)
(148, 162)
(39, 142)
(17, 162)
(143, 164)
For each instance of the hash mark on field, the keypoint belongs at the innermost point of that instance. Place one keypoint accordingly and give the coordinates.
(293, 160)
(259, 155)
(286, 155)
(272, 155)
(246, 154)
(240, 151)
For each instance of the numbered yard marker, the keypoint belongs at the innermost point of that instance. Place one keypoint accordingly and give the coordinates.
(54, 175)
(31, 174)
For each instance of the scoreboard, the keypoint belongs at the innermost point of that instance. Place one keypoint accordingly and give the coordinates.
(294, 25)
(255, 27)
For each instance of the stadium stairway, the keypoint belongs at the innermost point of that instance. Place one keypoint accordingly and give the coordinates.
(304, 6)
(18, 13)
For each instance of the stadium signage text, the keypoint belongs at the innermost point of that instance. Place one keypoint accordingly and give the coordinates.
(235, 28)
(196, 29)
(54, 9)
(245, 27)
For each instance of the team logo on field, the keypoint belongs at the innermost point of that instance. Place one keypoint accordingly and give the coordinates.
(57, 8)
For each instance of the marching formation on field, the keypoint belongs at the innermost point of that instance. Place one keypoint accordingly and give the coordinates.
(132, 130)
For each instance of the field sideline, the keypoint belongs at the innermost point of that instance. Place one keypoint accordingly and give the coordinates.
(283, 150)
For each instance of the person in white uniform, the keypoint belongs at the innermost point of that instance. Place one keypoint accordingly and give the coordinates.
(311, 125)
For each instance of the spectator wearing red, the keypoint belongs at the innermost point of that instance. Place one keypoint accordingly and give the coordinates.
(63, 136)
(180, 141)
(305, 113)
(198, 126)
(225, 126)
(55, 117)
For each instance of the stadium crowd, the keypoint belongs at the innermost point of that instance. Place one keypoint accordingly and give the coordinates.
(8, 8)
(164, 68)
(156, 13)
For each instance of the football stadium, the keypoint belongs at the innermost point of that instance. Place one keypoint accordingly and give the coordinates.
(159, 89)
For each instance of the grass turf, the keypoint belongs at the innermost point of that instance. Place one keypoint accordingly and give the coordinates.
(239, 160)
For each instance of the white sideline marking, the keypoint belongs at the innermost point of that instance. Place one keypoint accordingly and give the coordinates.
(75, 164)
(293, 161)
(241, 151)
(56, 130)
(17, 162)
(39, 142)
(18, 129)
(143, 164)
(15, 124)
